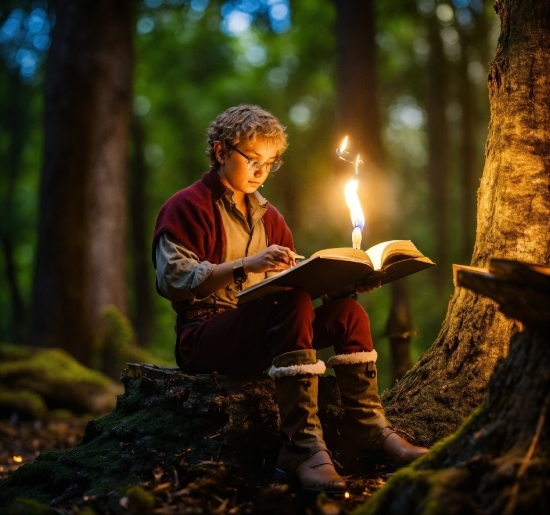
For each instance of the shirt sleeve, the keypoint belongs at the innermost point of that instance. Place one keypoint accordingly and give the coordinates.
(179, 270)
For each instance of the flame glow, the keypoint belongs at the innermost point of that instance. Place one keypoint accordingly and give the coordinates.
(356, 212)
(17, 459)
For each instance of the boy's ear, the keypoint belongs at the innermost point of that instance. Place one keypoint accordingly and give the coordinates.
(219, 151)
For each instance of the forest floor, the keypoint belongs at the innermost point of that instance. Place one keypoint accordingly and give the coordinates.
(209, 488)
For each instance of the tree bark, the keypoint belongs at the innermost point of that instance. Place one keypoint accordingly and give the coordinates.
(82, 247)
(512, 222)
(498, 462)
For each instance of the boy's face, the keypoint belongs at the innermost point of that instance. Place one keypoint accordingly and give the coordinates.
(234, 172)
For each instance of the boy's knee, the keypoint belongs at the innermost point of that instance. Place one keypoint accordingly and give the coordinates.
(299, 300)
(352, 309)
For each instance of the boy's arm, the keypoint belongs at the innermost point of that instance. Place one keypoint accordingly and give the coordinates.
(178, 269)
(181, 276)
(274, 258)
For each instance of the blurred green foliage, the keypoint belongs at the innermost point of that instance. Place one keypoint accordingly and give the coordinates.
(189, 67)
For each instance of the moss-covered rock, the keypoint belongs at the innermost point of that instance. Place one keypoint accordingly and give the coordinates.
(34, 381)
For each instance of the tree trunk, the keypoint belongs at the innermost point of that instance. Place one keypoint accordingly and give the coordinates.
(82, 248)
(358, 115)
(399, 330)
(467, 152)
(358, 108)
(140, 245)
(499, 460)
(512, 222)
(438, 157)
(15, 122)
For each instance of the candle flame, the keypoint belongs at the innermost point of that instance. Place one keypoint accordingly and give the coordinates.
(356, 212)
(343, 146)
(17, 459)
(357, 161)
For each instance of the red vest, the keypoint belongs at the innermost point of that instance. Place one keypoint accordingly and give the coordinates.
(192, 217)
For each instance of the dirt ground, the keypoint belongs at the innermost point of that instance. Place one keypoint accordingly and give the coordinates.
(209, 487)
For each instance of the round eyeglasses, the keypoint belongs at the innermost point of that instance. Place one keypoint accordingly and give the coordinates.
(254, 165)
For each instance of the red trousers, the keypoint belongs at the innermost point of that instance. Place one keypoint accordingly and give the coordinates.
(245, 340)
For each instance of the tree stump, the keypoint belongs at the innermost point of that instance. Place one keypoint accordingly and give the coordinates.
(498, 462)
(169, 427)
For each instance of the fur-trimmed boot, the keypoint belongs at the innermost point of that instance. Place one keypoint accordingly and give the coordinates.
(304, 455)
(364, 425)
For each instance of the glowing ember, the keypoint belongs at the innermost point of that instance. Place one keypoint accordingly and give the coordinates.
(17, 459)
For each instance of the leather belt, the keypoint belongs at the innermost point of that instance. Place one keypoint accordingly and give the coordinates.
(192, 316)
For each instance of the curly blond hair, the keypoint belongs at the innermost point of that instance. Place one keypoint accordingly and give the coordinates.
(242, 122)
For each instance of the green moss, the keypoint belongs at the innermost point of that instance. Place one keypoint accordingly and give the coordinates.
(24, 402)
(53, 365)
(141, 502)
(408, 487)
(9, 352)
(117, 346)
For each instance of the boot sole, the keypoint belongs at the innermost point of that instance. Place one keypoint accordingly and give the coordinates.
(287, 477)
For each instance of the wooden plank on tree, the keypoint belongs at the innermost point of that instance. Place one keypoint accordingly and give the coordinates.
(520, 289)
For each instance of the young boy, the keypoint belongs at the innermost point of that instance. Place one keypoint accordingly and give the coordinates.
(220, 235)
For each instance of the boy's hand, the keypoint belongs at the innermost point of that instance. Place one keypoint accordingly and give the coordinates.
(366, 286)
(274, 258)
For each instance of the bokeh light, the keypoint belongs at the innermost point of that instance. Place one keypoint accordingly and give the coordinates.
(25, 38)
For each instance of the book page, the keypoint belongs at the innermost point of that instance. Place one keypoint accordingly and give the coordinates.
(343, 253)
(388, 252)
(376, 253)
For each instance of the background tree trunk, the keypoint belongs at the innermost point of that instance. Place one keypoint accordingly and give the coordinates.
(438, 146)
(467, 164)
(82, 247)
(15, 120)
(139, 244)
(357, 103)
(513, 206)
(358, 115)
(399, 330)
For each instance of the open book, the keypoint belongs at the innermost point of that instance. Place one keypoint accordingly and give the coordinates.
(329, 270)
